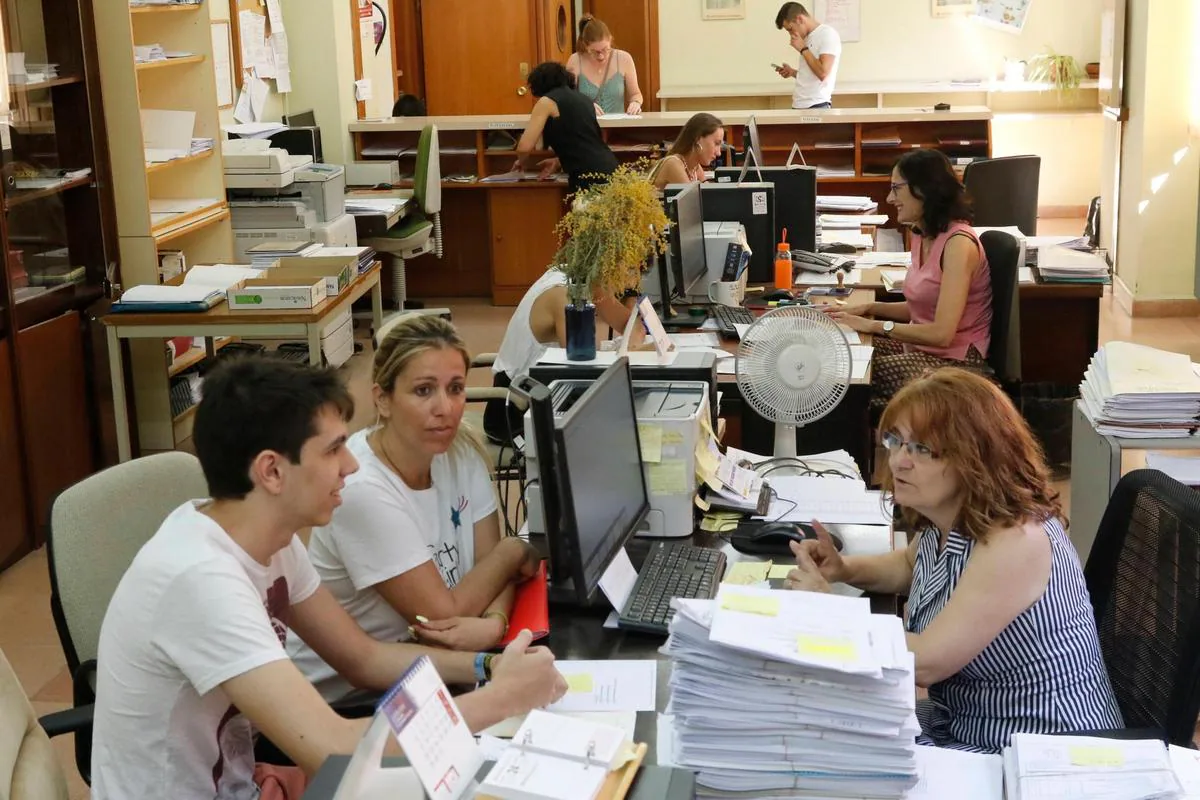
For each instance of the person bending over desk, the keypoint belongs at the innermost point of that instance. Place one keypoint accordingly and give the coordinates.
(605, 76)
(539, 322)
(999, 617)
(418, 533)
(565, 120)
(946, 316)
(698, 145)
(191, 653)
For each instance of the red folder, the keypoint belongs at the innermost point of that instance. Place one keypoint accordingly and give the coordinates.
(531, 608)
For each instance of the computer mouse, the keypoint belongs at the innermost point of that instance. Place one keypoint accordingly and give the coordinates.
(773, 538)
(839, 249)
(777, 295)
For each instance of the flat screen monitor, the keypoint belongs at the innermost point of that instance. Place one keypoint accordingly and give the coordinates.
(687, 230)
(602, 487)
(753, 143)
(301, 119)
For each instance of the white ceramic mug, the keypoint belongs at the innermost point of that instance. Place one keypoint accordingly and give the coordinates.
(725, 293)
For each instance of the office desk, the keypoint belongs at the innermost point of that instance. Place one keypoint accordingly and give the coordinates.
(308, 324)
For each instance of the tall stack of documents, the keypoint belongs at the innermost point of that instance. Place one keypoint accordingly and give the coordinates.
(1037, 766)
(790, 694)
(1066, 265)
(1140, 392)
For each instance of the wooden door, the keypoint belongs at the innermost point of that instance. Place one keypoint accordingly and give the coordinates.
(634, 26)
(477, 54)
(54, 410)
(522, 223)
(556, 26)
(14, 519)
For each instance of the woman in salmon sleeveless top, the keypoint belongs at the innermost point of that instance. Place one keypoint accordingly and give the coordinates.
(946, 316)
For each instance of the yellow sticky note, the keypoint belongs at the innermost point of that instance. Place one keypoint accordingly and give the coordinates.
(672, 437)
(780, 571)
(826, 647)
(651, 439)
(580, 682)
(1098, 756)
(747, 573)
(706, 462)
(667, 477)
(701, 503)
(751, 604)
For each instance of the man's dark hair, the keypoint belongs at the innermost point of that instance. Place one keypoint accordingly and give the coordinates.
(788, 12)
(251, 404)
(930, 177)
(547, 76)
(408, 105)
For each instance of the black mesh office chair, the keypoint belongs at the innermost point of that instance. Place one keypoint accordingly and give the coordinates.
(1144, 579)
(1004, 352)
(1005, 191)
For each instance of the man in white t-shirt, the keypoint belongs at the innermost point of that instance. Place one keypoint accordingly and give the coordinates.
(820, 49)
(191, 657)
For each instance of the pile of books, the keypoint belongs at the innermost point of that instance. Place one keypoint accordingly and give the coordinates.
(790, 694)
(1139, 392)
(265, 254)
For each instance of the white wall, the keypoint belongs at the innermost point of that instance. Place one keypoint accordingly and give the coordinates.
(900, 41)
(322, 53)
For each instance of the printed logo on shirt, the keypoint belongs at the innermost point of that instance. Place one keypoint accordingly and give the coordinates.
(445, 557)
(456, 512)
(279, 608)
(233, 773)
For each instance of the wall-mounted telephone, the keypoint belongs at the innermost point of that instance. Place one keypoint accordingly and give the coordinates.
(818, 262)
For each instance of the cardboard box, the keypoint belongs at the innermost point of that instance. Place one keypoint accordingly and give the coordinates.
(276, 293)
(338, 271)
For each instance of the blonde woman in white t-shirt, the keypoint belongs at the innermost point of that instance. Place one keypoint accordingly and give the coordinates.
(418, 533)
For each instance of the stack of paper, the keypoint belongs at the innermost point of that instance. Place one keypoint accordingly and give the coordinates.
(219, 276)
(145, 53)
(855, 238)
(265, 254)
(1185, 469)
(852, 220)
(152, 295)
(200, 145)
(1037, 766)
(377, 204)
(790, 694)
(1064, 265)
(1136, 391)
(835, 171)
(845, 203)
(365, 255)
(884, 259)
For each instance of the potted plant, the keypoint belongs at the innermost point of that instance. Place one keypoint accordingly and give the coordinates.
(612, 230)
(1062, 72)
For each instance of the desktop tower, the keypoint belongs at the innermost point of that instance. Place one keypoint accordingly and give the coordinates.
(753, 205)
(795, 200)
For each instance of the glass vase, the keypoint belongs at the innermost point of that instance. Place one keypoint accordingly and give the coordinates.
(581, 331)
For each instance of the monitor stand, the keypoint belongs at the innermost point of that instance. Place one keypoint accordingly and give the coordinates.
(671, 319)
(561, 593)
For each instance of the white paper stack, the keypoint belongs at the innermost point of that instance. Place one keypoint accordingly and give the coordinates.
(790, 694)
(1185, 469)
(842, 204)
(1140, 392)
(1065, 265)
(1040, 766)
(265, 254)
(145, 53)
(852, 221)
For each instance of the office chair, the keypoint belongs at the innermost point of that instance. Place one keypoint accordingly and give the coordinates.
(30, 766)
(420, 231)
(1143, 576)
(1004, 191)
(96, 528)
(1004, 352)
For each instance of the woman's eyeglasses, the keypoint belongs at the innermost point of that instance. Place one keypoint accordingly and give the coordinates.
(916, 450)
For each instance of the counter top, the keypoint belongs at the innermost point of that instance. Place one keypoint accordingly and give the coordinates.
(668, 119)
(783, 88)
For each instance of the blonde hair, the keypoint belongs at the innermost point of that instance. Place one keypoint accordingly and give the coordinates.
(591, 30)
(406, 336)
(973, 426)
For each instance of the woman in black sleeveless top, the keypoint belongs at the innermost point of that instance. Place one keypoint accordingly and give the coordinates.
(566, 121)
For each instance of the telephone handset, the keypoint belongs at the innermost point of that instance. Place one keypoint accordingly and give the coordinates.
(818, 262)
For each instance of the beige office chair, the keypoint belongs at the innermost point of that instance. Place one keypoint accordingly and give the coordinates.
(97, 526)
(29, 767)
(420, 231)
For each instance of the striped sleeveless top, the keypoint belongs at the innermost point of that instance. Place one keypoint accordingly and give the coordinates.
(1042, 674)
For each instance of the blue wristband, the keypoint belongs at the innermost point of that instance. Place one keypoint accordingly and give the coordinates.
(480, 673)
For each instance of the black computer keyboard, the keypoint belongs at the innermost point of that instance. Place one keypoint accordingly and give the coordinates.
(670, 570)
(728, 316)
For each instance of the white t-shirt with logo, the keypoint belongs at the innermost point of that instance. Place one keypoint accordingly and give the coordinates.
(810, 91)
(383, 529)
(193, 611)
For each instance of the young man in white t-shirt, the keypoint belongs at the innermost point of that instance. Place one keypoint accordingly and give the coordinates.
(820, 49)
(191, 656)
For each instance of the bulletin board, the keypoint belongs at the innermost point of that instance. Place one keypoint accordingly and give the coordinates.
(259, 42)
(257, 7)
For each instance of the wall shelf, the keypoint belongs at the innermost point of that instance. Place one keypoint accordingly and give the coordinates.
(168, 62)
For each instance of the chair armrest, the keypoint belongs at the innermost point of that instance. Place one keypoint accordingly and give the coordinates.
(70, 720)
(478, 394)
(1128, 734)
(483, 360)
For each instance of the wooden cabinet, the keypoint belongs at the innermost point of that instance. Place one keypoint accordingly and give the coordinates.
(522, 223)
(14, 521)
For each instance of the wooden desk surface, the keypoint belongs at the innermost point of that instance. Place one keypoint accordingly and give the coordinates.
(872, 280)
(221, 315)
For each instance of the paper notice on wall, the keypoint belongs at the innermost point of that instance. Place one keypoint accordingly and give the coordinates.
(844, 16)
(246, 30)
(275, 14)
(283, 70)
(258, 97)
(243, 112)
(362, 89)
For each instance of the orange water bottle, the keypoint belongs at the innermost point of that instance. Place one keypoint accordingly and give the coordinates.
(783, 264)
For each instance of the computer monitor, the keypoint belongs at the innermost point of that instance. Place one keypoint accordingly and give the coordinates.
(301, 119)
(753, 144)
(602, 486)
(690, 264)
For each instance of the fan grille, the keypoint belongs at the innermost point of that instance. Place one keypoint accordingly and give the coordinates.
(793, 365)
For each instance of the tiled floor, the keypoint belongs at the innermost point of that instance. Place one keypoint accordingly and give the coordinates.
(27, 634)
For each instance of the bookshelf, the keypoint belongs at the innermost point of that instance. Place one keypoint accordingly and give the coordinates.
(202, 230)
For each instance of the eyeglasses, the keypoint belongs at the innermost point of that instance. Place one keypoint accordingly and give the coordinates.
(599, 53)
(895, 187)
(916, 450)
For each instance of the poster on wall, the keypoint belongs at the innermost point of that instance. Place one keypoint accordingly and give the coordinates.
(1007, 15)
(844, 16)
(722, 9)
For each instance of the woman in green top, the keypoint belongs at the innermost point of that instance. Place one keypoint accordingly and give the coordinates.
(606, 76)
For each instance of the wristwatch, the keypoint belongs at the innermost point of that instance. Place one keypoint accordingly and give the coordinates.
(888, 327)
(802, 49)
(483, 666)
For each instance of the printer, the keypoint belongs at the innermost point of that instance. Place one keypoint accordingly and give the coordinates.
(669, 414)
(254, 164)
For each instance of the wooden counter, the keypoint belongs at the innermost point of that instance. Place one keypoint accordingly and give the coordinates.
(498, 240)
